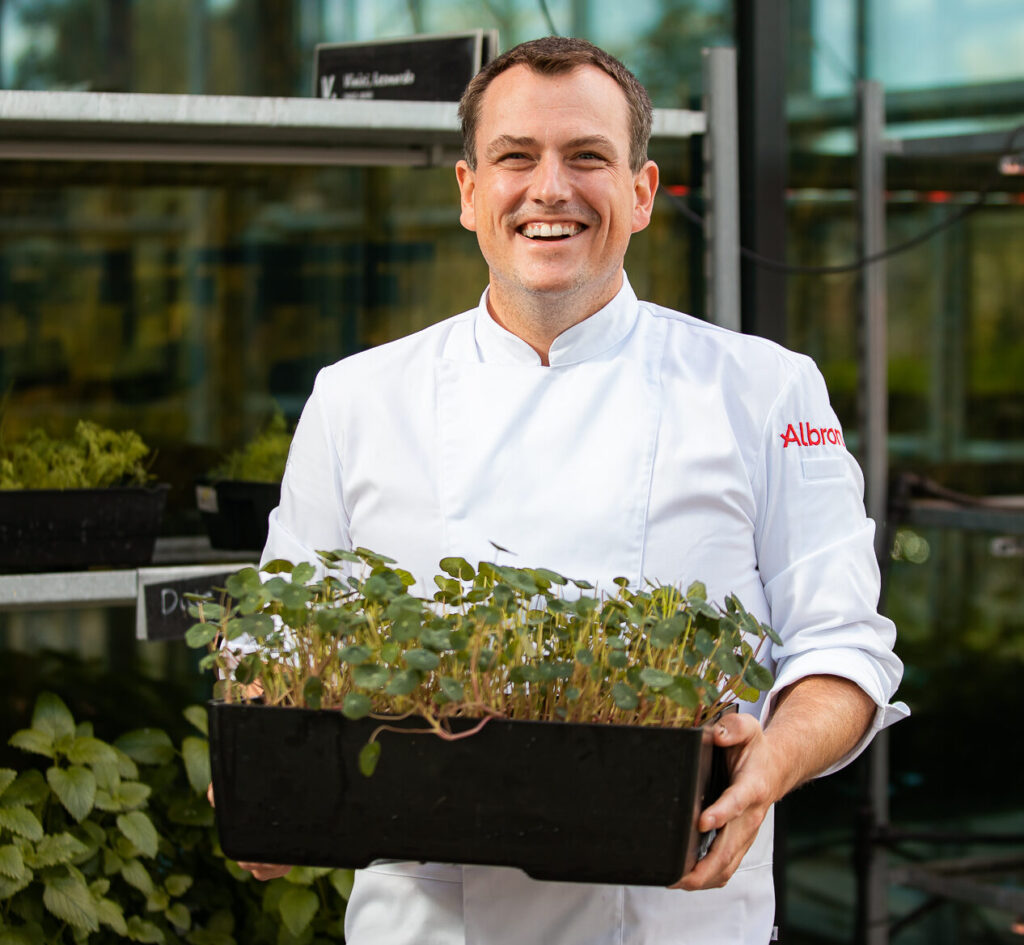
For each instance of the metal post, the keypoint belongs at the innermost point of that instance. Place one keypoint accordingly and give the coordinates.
(874, 374)
(874, 427)
(721, 188)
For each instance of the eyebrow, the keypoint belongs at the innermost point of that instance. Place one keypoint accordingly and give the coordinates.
(513, 142)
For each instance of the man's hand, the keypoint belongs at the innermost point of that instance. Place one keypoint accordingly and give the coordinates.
(260, 871)
(815, 722)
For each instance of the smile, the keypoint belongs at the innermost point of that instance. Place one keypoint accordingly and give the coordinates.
(551, 231)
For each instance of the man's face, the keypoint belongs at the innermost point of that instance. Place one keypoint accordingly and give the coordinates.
(553, 200)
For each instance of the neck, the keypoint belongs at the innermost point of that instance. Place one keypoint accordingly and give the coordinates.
(539, 318)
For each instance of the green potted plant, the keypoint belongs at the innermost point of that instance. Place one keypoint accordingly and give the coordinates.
(105, 841)
(239, 494)
(76, 501)
(504, 721)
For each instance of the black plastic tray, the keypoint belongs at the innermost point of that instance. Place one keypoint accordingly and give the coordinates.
(236, 519)
(588, 803)
(57, 530)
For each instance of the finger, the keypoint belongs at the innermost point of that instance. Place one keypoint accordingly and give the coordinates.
(265, 871)
(733, 802)
(724, 857)
(209, 794)
(735, 729)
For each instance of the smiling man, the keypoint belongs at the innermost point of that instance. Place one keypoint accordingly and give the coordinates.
(599, 435)
(553, 189)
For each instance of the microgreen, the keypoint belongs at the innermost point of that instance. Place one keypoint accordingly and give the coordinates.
(493, 642)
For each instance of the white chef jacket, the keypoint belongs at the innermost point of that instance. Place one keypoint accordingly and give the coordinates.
(654, 446)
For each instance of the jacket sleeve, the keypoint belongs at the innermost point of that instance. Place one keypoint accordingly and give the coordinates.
(816, 556)
(311, 516)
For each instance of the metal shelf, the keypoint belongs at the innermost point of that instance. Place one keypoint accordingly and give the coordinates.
(113, 588)
(108, 126)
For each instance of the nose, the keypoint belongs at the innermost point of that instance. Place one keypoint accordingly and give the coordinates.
(550, 184)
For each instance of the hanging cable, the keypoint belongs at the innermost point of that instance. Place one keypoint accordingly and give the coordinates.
(776, 265)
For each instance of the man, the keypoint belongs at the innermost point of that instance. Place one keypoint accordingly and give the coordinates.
(598, 435)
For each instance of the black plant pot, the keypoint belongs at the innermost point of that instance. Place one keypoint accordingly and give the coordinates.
(58, 530)
(587, 803)
(235, 512)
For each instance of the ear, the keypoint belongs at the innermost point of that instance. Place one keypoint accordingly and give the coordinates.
(645, 186)
(466, 177)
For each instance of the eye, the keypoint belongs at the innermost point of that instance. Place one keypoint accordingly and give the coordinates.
(590, 157)
(513, 158)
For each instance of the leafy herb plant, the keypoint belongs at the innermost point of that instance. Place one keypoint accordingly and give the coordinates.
(493, 642)
(109, 842)
(262, 459)
(93, 457)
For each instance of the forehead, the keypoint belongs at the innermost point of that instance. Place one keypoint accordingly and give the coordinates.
(524, 103)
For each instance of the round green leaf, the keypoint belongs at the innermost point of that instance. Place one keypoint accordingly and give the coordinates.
(423, 660)
(452, 688)
(370, 676)
(355, 654)
(257, 626)
(356, 705)
(625, 696)
(313, 692)
(655, 678)
(277, 566)
(403, 682)
(369, 755)
(682, 692)
(458, 568)
(200, 635)
(758, 676)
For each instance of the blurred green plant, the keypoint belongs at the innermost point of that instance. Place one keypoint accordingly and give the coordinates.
(115, 842)
(92, 457)
(262, 459)
(494, 642)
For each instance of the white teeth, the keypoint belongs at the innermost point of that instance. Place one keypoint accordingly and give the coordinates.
(534, 230)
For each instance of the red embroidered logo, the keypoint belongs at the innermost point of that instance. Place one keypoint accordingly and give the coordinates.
(803, 434)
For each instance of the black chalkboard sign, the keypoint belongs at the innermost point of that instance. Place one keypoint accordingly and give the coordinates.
(414, 68)
(163, 607)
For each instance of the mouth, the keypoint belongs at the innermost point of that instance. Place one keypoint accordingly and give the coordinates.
(551, 232)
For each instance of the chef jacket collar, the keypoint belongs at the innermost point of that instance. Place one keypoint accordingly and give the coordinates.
(604, 329)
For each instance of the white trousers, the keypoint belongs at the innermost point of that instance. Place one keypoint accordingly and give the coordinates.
(438, 904)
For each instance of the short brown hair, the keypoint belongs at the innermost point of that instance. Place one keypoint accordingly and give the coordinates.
(556, 55)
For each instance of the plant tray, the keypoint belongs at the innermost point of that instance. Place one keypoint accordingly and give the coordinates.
(587, 803)
(59, 530)
(235, 512)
